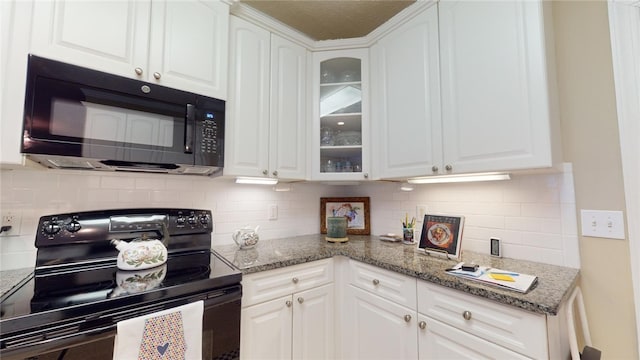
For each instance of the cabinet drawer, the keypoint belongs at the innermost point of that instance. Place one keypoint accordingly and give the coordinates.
(440, 341)
(398, 288)
(515, 329)
(267, 285)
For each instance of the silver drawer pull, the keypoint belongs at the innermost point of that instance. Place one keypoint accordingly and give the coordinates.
(295, 280)
(466, 315)
(288, 303)
(300, 300)
(422, 325)
(407, 318)
(138, 71)
(376, 282)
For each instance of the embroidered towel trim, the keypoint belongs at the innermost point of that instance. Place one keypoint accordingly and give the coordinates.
(174, 334)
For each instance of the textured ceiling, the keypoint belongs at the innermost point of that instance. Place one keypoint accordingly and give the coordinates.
(328, 20)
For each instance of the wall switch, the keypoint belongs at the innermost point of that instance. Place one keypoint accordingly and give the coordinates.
(273, 212)
(421, 211)
(12, 218)
(603, 224)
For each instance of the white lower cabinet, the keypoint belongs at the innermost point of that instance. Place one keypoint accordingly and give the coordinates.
(377, 328)
(288, 313)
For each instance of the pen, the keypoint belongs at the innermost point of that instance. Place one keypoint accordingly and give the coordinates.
(503, 273)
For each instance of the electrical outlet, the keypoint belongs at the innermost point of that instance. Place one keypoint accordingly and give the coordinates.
(421, 211)
(273, 212)
(12, 218)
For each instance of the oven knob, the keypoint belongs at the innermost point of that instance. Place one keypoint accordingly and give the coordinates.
(181, 220)
(204, 219)
(192, 220)
(73, 226)
(51, 228)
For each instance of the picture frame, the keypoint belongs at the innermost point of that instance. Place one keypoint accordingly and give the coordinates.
(356, 209)
(442, 235)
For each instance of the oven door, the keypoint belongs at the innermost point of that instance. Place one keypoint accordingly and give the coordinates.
(220, 335)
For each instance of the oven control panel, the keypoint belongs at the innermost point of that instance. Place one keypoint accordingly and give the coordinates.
(97, 226)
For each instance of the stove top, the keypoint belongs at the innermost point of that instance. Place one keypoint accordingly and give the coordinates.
(71, 291)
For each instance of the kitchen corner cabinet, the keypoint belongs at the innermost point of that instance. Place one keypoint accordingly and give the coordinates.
(380, 314)
(288, 313)
(176, 44)
(266, 111)
(496, 90)
(340, 122)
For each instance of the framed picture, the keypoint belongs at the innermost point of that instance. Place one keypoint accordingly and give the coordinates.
(355, 209)
(442, 234)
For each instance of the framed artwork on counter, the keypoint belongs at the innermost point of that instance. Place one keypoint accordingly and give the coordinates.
(442, 234)
(355, 209)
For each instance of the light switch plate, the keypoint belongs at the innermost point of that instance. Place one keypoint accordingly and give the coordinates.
(602, 224)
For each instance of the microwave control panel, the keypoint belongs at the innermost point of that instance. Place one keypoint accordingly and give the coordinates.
(211, 133)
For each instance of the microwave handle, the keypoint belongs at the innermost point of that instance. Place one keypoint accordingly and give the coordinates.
(189, 129)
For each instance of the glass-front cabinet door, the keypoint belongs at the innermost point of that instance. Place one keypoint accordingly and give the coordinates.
(340, 115)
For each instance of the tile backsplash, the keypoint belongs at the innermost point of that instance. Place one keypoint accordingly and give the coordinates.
(534, 215)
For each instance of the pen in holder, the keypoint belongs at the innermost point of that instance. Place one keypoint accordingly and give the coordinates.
(407, 230)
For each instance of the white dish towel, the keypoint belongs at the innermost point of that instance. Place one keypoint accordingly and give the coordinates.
(173, 334)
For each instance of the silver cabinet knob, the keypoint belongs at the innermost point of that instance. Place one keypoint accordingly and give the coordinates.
(294, 280)
(466, 315)
(157, 75)
(138, 71)
(448, 167)
(288, 303)
(265, 172)
(366, 175)
(407, 318)
(275, 173)
(300, 300)
(376, 282)
(422, 325)
(434, 168)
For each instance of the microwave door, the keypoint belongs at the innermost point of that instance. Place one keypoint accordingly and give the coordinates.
(74, 120)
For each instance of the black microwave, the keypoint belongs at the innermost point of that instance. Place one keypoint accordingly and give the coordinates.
(80, 118)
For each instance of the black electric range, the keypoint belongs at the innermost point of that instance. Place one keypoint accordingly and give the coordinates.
(77, 292)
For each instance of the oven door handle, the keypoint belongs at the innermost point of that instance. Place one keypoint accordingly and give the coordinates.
(189, 128)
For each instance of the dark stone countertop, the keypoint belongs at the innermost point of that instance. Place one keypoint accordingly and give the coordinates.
(555, 283)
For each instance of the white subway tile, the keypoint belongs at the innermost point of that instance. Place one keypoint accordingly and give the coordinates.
(549, 211)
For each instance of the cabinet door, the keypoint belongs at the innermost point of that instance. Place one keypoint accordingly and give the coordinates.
(439, 341)
(188, 45)
(340, 135)
(407, 106)
(110, 36)
(265, 331)
(495, 105)
(288, 135)
(377, 328)
(15, 27)
(247, 125)
(313, 324)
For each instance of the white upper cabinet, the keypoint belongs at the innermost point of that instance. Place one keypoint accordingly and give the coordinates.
(288, 134)
(340, 124)
(466, 86)
(406, 88)
(266, 122)
(175, 44)
(14, 36)
(496, 86)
